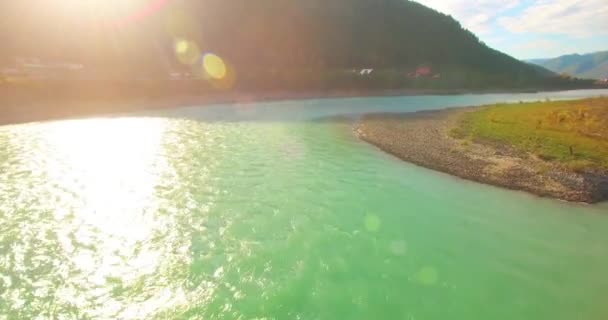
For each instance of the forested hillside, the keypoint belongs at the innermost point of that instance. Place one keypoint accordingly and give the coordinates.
(274, 43)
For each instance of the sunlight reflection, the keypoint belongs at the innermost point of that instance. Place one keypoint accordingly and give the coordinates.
(112, 166)
(112, 160)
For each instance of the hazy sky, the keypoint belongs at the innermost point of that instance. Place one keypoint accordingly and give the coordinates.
(533, 28)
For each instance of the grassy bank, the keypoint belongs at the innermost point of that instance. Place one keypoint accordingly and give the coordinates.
(571, 133)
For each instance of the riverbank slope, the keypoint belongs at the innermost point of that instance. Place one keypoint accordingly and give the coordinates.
(555, 158)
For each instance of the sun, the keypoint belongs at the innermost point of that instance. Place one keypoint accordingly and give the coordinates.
(97, 6)
(117, 11)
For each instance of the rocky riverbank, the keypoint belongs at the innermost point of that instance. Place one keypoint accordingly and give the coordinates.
(423, 138)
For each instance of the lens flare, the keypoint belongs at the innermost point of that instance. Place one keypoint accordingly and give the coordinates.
(428, 276)
(226, 83)
(186, 52)
(372, 223)
(181, 47)
(214, 66)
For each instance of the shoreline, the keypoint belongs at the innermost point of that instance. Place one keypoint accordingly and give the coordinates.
(423, 138)
(25, 109)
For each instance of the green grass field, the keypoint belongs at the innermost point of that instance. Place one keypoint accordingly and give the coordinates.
(572, 133)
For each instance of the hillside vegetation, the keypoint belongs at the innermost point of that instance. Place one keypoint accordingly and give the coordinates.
(573, 133)
(285, 44)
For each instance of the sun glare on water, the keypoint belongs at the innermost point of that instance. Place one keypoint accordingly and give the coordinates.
(108, 155)
(112, 167)
(111, 164)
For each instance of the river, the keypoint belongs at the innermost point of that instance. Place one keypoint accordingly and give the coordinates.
(268, 211)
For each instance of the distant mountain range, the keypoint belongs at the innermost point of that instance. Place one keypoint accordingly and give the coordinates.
(591, 65)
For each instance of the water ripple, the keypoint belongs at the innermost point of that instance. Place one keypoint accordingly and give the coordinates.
(139, 218)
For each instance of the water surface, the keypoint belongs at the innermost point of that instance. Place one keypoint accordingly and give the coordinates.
(260, 211)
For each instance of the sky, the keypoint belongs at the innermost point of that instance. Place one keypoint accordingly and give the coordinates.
(528, 29)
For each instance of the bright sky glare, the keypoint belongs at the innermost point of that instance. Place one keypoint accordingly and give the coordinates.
(533, 28)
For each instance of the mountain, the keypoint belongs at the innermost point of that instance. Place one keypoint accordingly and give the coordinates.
(592, 65)
(297, 41)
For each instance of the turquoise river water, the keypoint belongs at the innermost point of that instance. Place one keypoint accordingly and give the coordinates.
(263, 211)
